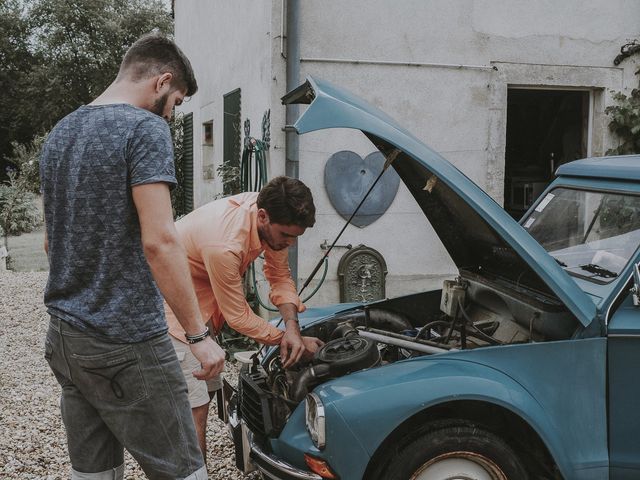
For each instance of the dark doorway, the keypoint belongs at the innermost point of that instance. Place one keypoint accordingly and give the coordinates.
(545, 128)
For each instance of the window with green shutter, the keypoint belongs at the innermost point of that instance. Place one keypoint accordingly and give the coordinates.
(232, 142)
(187, 158)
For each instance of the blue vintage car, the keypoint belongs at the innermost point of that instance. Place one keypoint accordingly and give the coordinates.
(522, 367)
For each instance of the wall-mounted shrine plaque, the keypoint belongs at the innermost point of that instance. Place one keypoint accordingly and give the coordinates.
(361, 273)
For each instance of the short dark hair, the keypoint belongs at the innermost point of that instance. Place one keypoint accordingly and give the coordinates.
(288, 201)
(153, 54)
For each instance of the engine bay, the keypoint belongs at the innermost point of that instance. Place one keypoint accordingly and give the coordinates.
(469, 312)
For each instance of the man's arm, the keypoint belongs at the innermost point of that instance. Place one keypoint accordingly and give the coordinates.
(168, 262)
(283, 294)
(223, 264)
(291, 345)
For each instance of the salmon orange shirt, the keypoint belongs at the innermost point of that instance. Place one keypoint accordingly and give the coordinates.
(221, 240)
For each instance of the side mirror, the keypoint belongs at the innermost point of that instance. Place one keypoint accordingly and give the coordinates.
(636, 284)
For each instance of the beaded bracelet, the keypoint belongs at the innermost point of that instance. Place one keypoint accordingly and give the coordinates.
(191, 339)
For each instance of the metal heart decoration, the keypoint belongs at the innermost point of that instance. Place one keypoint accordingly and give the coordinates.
(348, 177)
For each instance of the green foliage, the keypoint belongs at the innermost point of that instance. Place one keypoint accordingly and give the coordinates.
(26, 159)
(230, 176)
(17, 60)
(59, 54)
(619, 214)
(176, 125)
(81, 44)
(232, 341)
(625, 122)
(18, 210)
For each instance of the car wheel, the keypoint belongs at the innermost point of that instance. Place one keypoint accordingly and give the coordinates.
(456, 451)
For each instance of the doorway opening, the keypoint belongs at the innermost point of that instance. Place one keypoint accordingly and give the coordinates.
(545, 128)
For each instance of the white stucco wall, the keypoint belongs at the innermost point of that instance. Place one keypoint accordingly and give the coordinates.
(229, 45)
(571, 44)
(460, 112)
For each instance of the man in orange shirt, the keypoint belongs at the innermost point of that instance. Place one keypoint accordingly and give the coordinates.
(221, 239)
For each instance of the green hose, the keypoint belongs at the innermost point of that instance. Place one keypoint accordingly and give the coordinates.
(253, 176)
(253, 166)
(271, 309)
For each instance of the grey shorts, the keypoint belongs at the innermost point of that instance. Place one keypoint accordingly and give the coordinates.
(117, 396)
(198, 389)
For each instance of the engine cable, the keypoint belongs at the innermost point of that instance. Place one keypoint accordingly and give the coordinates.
(478, 333)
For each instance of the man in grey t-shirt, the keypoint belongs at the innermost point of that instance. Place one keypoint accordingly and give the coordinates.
(106, 170)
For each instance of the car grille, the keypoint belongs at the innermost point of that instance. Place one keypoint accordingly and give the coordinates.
(255, 403)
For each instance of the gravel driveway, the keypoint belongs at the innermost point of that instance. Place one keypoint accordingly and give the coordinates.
(32, 437)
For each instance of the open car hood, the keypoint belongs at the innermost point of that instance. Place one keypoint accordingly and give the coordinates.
(478, 234)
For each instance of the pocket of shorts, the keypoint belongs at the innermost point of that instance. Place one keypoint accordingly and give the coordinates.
(48, 344)
(56, 362)
(113, 377)
(48, 350)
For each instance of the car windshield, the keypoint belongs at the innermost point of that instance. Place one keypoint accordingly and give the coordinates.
(590, 234)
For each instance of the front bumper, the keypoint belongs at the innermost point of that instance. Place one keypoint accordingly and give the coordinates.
(277, 469)
(249, 455)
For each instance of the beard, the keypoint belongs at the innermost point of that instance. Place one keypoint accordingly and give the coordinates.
(159, 104)
(265, 236)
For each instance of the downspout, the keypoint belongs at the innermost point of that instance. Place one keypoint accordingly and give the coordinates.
(291, 167)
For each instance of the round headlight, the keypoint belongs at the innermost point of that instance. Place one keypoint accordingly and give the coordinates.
(314, 415)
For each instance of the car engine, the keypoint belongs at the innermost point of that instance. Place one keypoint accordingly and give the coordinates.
(469, 312)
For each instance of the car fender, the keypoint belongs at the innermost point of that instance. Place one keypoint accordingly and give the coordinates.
(397, 392)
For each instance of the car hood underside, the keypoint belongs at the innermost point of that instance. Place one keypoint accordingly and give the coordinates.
(478, 234)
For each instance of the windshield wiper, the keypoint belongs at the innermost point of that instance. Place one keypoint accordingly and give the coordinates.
(598, 270)
(560, 262)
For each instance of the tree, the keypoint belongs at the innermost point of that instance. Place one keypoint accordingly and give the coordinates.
(72, 49)
(18, 210)
(17, 61)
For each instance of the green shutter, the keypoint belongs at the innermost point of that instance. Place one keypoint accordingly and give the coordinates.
(188, 162)
(232, 137)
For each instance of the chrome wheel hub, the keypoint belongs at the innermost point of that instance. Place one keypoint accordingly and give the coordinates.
(459, 466)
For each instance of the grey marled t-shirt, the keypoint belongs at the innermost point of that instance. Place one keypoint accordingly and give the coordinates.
(99, 279)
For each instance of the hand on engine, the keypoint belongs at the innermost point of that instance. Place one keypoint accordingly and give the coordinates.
(291, 345)
(311, 345)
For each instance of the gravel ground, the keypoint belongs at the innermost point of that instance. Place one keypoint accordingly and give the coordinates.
(32, 437)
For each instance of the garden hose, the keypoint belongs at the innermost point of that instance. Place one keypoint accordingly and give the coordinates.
(253, 166)
(272, 309)
(253, 176)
